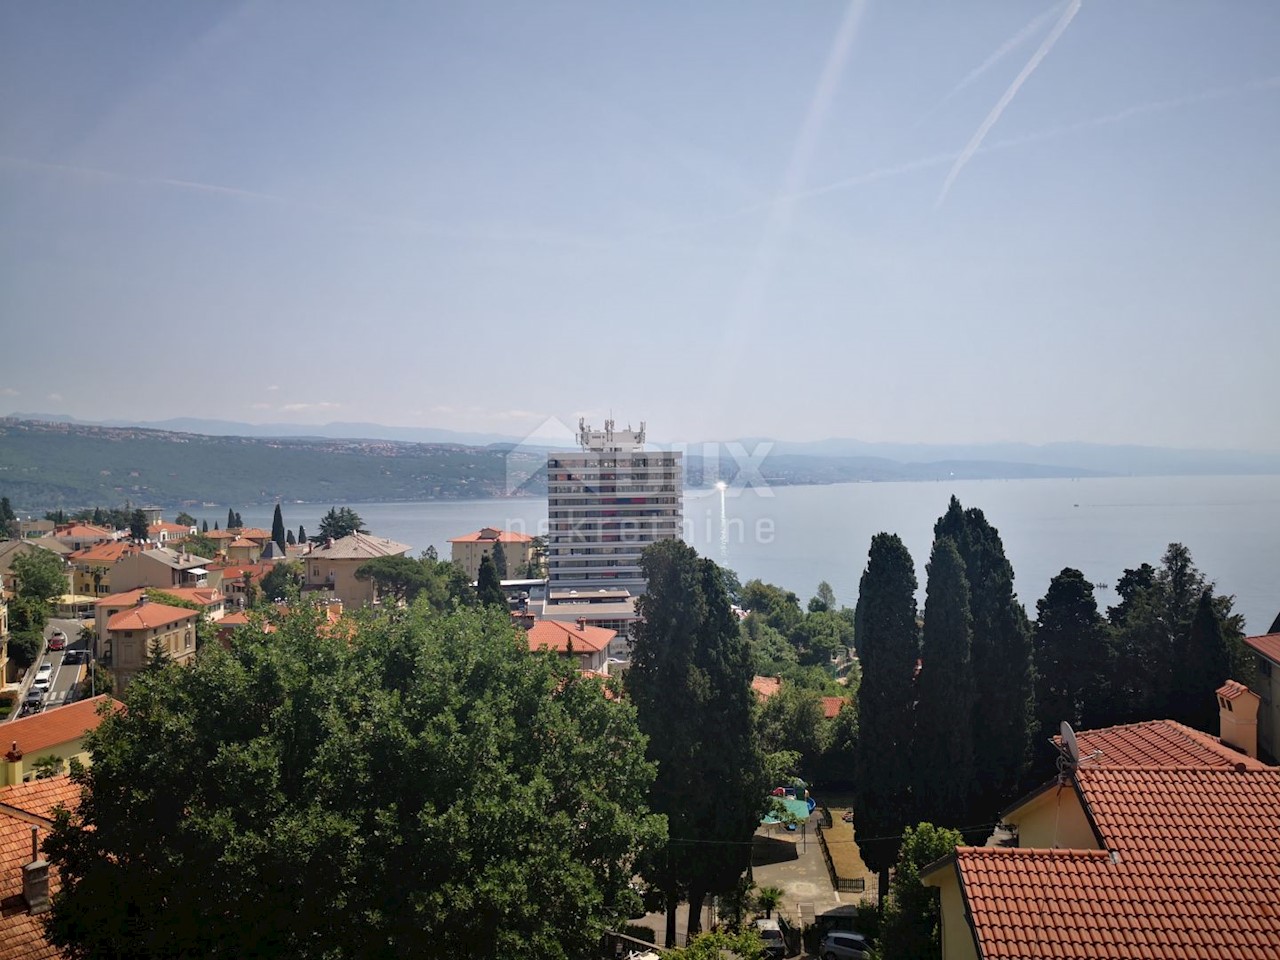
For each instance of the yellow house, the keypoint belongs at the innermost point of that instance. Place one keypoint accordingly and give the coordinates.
(332, 566)
(55, 733)
(1159, 841)
(92, 567)
(469, 550)
(131, 634)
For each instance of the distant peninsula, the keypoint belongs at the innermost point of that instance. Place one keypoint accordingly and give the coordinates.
(51, 463)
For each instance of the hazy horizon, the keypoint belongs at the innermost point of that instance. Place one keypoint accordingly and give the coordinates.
(966, 224)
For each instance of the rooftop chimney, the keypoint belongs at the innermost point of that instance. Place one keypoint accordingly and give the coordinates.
(582, 623)
(35, 880)
(1238, 717)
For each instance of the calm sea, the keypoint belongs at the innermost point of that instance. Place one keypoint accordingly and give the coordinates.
(798, 536)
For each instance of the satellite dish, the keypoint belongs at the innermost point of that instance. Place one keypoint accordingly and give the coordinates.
(1069, 742)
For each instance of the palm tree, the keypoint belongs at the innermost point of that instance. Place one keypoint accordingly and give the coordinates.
(767, 899)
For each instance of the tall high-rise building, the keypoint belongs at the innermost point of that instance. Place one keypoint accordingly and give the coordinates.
(605, 504)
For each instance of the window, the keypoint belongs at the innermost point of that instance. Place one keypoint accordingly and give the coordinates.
(1264, 666)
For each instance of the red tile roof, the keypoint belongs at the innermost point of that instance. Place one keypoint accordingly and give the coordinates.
(256, 532)
(1268, 644)
(82, 531)
(205, 596)
(1232, 690)
(22, 935)
(1189, 870)
(492, 535)
(831, 706)
(148, 616)
(53, 727)
(107, 553)
(1157, 743)
(553, 635)
(766, 687)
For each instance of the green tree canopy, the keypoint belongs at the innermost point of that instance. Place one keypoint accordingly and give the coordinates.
(277, 528)
(779, 607)
(823, 600)
(339, 522)
(283, 581)
(690, 680)
(942, 784)
(185, 519)
(911, 929)
(1204, 666)
(427, 775)
(397, 578)
(41, 575)
(488, 588)
(1003, 666)
(888, 647)
(139, 528)
(1075, 656)
(231, 519)
(8, 519)
(500, 559)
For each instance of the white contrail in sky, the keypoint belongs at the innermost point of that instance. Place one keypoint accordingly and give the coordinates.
(1006, 48)
(976, 141)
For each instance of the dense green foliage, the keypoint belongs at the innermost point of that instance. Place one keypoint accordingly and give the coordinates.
(1203, 667)
(428, 789)
(488, 588)
(911, 927)
(339, 522)
(888, 646)
(8, 519)
(719, 945)
(402, 578)
(139, 528)
(942, 784)
(1003, 716)
(277, 528)
(1075, 656)
(690, 680)
(41, 575)
(283, 581)
(500, 559)
(43, 466)
(1152, 629)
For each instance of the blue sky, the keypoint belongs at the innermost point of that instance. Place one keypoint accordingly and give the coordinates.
(892, 221)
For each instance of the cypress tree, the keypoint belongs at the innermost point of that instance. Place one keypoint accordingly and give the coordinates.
(488, 589)
(1075, 658)
(690, 680)
(289, 538)
(1203, 667)
(1003, 670)
(885, 633)
(943, 755)
(302, 534)
(277, 528)
(204, 527)
(500, 559)
(239, 522)
(231, 519)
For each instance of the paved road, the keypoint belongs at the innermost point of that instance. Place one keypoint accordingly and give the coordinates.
(65, 675)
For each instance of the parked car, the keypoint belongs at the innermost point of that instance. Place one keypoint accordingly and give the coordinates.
(775, 945)
(842, 945)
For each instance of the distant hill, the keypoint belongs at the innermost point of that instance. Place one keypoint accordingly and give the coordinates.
(66, 463)
(45, 465)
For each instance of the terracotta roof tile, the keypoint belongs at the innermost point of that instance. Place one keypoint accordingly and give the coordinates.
(205, 596)
(1190, 869)
(1231, 690)
(553, 635)
(22, 935)
(492, 535)
(107, 553)
(1157, 743)
(256, 532)
(358, 546)
(52, 727)
(831, 706)
(148, 616)
(766, 687)
(1268, 644)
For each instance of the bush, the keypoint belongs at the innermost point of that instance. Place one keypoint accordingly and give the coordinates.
(7, 699)
(25, 646)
